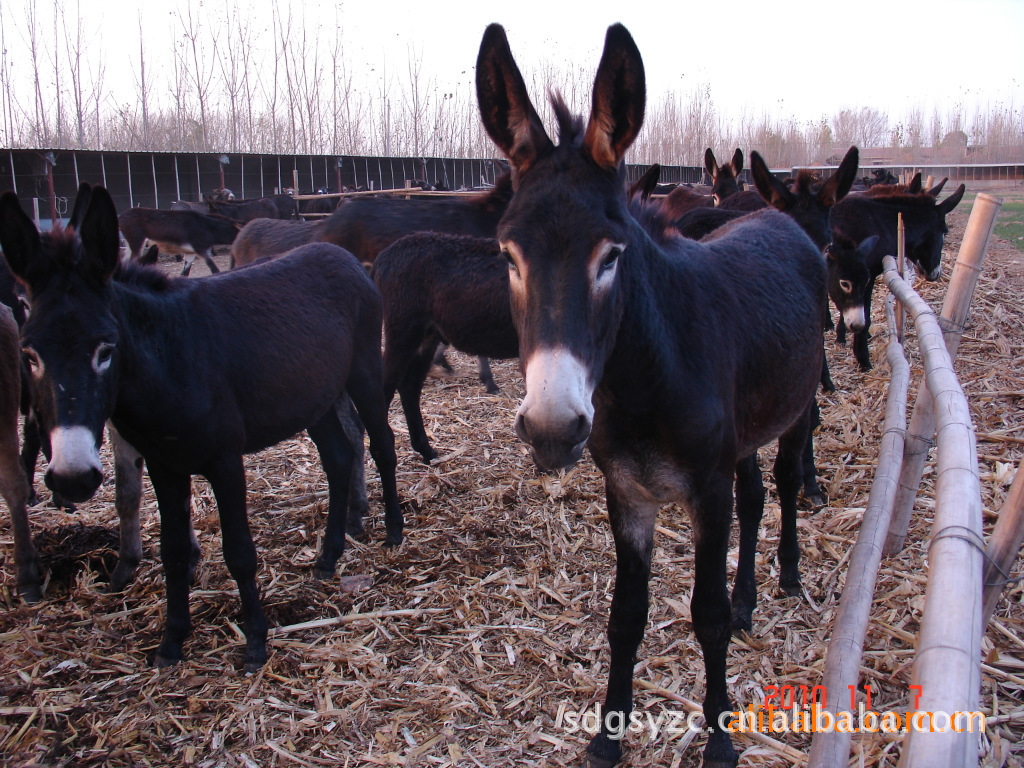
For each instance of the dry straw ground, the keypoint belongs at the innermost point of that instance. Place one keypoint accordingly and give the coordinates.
(460, 647)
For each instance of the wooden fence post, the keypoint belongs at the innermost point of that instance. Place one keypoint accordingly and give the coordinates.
(954, 314)
(1004, 544)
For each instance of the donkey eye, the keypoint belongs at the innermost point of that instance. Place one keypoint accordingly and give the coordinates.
(610, 258)
(511, 262)
(846, 285)
(32, 359)
(102, 356)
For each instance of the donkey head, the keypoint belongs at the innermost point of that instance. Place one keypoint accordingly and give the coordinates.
(928, 255)
(70, 338)
(563, 234)
(724, 178)
(807, 203)
(848, 277)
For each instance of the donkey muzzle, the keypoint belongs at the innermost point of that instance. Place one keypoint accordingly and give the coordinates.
(556, 415)
(74, 470)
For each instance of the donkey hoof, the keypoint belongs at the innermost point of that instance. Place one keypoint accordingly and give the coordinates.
(252, 666)
(742, 621)
(392, 540)
(33, 499)
(160, 661)
(791, 588)
(322, 572)
(493, 389)
(602, 752)
(355, 530)
(814, 500)
(30, 593)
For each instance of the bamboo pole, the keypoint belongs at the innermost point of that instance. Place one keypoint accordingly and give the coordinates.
(1004, 544)
(846, 648)
(947, 666)
(954, 314)
(901, 262)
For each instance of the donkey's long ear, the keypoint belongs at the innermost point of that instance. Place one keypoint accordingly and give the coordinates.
(952, 201)
(915, 184)
(81, 203)
(19, 237)
(98, 231)
(840, 182)
(770, 188)
(505, 106)
(737, 162)
(645, 185)
(620, 97)
(934, 191)
(710, 163)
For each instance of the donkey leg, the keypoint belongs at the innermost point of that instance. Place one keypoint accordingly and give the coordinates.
(749, 510)
(788, 479)
(188, 264)
(632, 523)
(208, 258)
(173, 494)
(486, 377)
(227, 478)
(710, 516)
(358, 506)
(30, 447)
(410, 390)
(14, 488)
(827, 385)
(840, 330)
(128, 465)
(336, 457)
(860, 338)
(440, 359)
(812, 492)
(365, 387)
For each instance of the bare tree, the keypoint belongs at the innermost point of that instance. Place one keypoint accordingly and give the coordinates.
(201, 72)
(7, 87)
(74, 49)
(41, 127)
(142, 88)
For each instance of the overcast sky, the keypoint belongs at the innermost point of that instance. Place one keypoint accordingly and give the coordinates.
(789, 58)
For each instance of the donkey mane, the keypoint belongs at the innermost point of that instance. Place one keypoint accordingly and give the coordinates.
(570, 126)
(901, 196)
(806, 181)
(654, 221)
(143, 276)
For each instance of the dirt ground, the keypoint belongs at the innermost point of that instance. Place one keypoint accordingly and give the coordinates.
(469, 644)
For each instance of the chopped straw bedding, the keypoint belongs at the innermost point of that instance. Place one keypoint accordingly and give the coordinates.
(460, 647)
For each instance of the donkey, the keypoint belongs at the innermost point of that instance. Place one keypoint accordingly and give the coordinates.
(14, 485)
(185, 232)
(243, 211)
(265, 238)
(195, 374)
(367, 225)
(439, 288)
(724, 184)
(808, 203)
(597, 296)
(724, 178)
(858, 217)
(128, 467)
